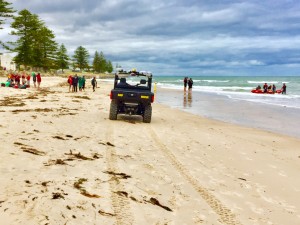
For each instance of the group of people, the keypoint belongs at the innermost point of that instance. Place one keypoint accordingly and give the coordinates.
(76, 82)
(188, 82)
(22, 81)
(272, 88)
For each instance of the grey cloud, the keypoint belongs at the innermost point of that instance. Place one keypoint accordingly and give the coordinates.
(168, 36)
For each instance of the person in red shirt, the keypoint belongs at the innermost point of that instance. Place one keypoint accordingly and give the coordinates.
(70, 80)
(39, 80)
(17, 79)
(13, 77)
(23, 78)
(28, 80)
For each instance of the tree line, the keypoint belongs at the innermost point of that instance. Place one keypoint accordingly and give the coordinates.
(35, 45)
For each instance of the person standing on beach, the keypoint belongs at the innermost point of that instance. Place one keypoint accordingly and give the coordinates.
(23, 78)
(94, 83)
(17, 79)
(70, 82)
(80, 83)
(83, 82)
(28, 80)
(33, 78)
(39, 80)
(283, 89)
(75, 83)
(190, 84)
(185, 81)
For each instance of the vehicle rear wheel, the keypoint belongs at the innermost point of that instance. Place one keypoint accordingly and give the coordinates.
(147, 114)
(113, 112)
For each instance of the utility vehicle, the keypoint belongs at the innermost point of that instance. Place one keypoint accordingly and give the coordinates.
(131, 95)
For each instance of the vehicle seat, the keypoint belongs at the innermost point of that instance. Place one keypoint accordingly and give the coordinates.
(122, 82)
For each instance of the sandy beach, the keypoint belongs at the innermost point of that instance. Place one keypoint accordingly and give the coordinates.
(64, 162)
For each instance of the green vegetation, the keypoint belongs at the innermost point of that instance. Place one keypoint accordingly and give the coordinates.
(62, 58)
(5, 11)
(36, 48)
(100, 64)
(81, 58)
(35, 45)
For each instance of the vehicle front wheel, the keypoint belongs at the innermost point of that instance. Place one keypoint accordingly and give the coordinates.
(113, 112)
(147, 114)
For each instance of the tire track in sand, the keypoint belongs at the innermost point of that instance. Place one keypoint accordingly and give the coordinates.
(226, 216)
(120, 204)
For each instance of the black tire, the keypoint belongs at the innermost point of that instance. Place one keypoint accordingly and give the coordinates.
(147, 114)
(113, 112)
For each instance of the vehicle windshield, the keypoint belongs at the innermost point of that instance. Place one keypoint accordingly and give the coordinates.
(136, 81)
(132, 81)
(139, 80)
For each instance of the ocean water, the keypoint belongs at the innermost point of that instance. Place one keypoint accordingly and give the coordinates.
(239, 88)
(229, 99)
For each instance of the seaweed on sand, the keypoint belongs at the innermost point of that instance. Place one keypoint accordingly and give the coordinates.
(57, 196)
(154, 201)
(32, 151)
(78, 156)
(59, 137)
(82, 97)
(105, 213)
(55, 162)
(118, 175)
(78, 186)
(11, 101)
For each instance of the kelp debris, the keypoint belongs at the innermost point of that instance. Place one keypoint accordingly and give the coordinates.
(78, 186)
(122, 193)
(119, 175)
(57, 196)
(59, 137)
(105, 213)
(154, 201)
(78, 183)
(78, 156)
(55, 162)
(110, 144)
(32, 151)
(82, 97)
(10, 101)
(18, 143)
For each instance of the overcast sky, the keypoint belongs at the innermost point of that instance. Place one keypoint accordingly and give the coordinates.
(179, 37)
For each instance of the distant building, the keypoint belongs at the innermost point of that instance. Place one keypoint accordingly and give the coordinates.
(6, 61)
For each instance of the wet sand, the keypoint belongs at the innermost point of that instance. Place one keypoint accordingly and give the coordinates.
(62, 161)
(272, 118)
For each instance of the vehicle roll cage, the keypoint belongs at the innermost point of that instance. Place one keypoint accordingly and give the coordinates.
(122, 73)
(135, 73)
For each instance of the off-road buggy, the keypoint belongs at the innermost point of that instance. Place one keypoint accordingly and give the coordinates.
(132, 95)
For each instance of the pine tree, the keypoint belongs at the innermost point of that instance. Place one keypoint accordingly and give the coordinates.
(62, 58)
(25, 25)
(81, 57)
(109, 66)
(102, 63)
(44, 48)
(96, 62)
(5, 11)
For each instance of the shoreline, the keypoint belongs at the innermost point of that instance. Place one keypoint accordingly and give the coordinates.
(270, 118)
(278, 119)
(64, 162)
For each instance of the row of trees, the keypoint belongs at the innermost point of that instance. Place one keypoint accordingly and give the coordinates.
(35, 45)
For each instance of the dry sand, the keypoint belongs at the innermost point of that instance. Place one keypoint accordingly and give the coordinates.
(64, 162)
